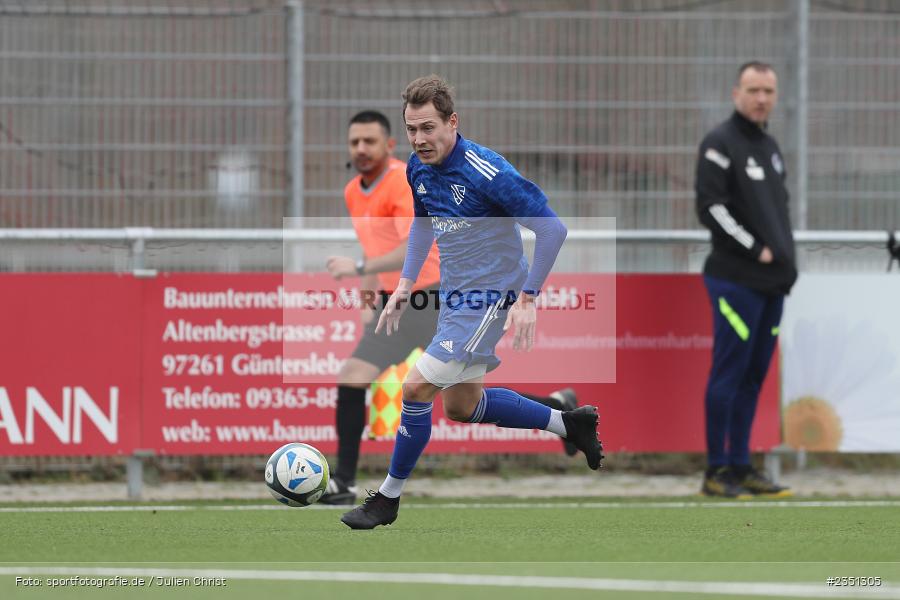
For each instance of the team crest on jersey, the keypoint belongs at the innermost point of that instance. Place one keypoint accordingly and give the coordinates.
(459, 193)
(421, 189)
(777, 164)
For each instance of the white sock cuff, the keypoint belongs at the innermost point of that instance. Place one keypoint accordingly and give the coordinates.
(556, 425)
(392, 487)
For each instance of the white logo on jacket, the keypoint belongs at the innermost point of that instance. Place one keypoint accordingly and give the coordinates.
(421, 189)
(777, 164)
(754, 171)
(717, 157)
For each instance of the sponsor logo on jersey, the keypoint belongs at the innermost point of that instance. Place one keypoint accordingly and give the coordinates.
(449, 224)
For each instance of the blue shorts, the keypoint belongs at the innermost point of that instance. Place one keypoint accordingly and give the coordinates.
(470, 334)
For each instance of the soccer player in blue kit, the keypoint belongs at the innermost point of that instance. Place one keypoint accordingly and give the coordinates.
(472, 200)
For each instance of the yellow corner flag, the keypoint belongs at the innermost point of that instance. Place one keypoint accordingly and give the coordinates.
(387, 398)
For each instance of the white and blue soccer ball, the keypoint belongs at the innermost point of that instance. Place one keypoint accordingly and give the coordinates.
(297, 474)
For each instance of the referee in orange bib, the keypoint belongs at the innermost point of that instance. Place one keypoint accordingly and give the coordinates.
(380, 204)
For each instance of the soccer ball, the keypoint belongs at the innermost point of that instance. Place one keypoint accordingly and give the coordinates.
(297, 474)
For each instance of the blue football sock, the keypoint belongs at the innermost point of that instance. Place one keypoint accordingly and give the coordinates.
(506, 408)
(412, 437)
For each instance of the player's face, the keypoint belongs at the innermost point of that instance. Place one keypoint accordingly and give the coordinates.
(431, 137)
(370, 147)
(755, 94)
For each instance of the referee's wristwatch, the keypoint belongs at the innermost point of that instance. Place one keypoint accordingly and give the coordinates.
(361, 266)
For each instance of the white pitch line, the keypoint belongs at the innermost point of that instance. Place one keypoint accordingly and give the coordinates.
(464, 506)
(767, 589)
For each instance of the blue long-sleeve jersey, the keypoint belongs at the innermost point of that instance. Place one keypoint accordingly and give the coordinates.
(473, 201)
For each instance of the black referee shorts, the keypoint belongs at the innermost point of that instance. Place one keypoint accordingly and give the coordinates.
(418, 325)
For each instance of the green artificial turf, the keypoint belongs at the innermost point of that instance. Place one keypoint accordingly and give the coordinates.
(633, 540)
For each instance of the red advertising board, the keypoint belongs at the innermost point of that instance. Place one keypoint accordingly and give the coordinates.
(193, 364)
(664, 345)
(69, 368)
(214, 369)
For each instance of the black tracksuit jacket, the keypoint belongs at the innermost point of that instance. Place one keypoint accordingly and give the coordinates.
(742, 199)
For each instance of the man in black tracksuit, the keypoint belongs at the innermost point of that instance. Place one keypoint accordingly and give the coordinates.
(742, 199)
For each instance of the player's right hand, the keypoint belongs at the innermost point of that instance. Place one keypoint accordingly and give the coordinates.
(389, 320)
(522, 316)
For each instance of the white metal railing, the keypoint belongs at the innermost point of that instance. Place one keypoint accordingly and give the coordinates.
(151, 234)
(138, 237)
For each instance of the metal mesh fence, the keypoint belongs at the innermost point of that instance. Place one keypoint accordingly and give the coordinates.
(854, 117)
(603, 108)
(177, 114)
(118, 116)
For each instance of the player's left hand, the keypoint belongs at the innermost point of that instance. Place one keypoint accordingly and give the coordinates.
(341, 266)
(523, 316)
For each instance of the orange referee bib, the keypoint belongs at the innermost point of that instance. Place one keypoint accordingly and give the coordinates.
(382, 215)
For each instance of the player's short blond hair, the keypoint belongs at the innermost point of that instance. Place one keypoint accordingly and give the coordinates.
(431, 88)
